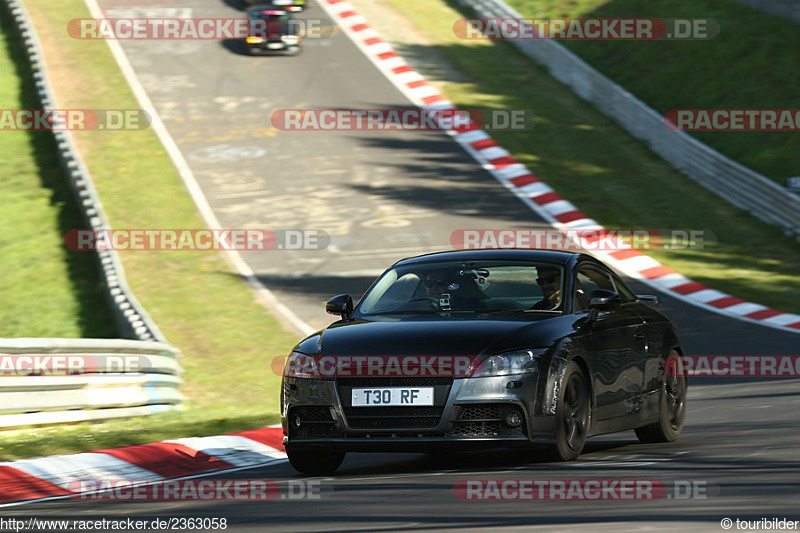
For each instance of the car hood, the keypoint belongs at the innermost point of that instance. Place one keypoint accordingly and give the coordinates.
(435, 337)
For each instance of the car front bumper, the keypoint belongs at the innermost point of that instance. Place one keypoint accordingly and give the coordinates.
(467, 414)
(271, 46)
(295, 8)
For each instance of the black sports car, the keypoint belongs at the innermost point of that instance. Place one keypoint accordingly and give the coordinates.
(289, 5)
(488, 348)
(274, 31)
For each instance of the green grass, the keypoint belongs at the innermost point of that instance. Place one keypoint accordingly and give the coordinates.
(751, 64)
(609, 175)
(47, 290)
(228, 339)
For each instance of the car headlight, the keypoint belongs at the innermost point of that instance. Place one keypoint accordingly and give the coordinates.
(290, 39)
(252, 39)
(300, 365)
(509, 363)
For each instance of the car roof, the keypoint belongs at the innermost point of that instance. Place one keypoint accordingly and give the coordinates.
(513, 254)
(278, 10)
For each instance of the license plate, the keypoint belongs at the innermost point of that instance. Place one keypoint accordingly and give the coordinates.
(392, 396)
(274, 46)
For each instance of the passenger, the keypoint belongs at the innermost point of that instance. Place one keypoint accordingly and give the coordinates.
(549, 280)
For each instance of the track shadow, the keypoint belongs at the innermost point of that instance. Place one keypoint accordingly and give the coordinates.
(235, 46)
(490, 459)
(239, 5)
(238, 47)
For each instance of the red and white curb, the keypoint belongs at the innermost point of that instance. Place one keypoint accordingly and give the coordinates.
(540, 197)
(50, 478)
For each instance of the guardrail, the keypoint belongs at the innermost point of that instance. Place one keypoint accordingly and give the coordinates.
(739, 185)
(130, 317)
(48, 381)
(103, 384)
(787, 9)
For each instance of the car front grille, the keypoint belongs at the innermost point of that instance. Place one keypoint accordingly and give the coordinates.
(480, 412)
(400, 418)
(476, 429)
(315, 422)
(409, 381)
(486, 420)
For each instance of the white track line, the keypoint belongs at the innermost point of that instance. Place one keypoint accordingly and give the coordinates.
(233, 257)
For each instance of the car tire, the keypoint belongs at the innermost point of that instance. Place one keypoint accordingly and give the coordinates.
(314, 461)
(573, 416)
(671, 411)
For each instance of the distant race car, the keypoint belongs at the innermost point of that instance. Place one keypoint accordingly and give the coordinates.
(485, 349)
(289, 5)
(279, 36)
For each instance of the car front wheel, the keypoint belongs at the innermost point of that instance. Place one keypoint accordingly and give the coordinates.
(573, 416)
(314, 461)
(672, 409)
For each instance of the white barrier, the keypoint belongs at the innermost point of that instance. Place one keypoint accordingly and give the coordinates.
(123, 378)
(102, 391)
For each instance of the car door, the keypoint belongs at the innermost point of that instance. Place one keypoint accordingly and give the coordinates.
(651, 344)
(615, 346)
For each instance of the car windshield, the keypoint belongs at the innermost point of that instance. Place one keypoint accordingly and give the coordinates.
(277, 23)
(475, 287)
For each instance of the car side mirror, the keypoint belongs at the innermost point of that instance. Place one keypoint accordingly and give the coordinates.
(602, 299)
(341, 305)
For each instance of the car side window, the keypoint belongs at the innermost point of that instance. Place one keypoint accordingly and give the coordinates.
(624, 292)
(587, 281)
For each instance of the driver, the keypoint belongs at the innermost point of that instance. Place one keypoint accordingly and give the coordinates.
(549, 280)
(436, 282)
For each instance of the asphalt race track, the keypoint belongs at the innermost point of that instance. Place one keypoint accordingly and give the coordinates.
(739, 445)
(383, 196)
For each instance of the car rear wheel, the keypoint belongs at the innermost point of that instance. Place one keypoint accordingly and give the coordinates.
(573, 415)
(314, 461)
(672, 409)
